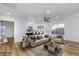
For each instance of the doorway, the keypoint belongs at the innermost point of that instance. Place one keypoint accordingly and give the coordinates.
(6, 30)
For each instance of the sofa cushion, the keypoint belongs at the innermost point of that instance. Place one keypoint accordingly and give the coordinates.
(33, 38)
(41, 37)
(38, 37)
(38, 42)
(42, 40)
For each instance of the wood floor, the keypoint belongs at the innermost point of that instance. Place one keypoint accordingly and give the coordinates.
(13, 50)
(70, 49)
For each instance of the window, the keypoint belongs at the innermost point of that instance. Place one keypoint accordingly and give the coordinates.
(2, 30)
(58, 29)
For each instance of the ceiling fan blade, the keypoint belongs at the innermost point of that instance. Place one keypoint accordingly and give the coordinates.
(46, 19)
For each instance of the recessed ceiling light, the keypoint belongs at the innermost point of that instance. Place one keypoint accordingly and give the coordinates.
(8, 13)
(47, 11)
(57, 16)
(32, 18)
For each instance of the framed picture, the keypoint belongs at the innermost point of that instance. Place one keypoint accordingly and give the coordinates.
(30, 29)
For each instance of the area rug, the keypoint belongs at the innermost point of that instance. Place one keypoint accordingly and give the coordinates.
(41, 51)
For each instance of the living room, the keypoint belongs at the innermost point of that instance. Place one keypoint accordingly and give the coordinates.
(52, 23)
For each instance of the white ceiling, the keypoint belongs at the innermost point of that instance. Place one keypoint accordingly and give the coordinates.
(24, 10)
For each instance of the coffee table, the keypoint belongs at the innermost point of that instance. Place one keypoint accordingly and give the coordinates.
(52, 47)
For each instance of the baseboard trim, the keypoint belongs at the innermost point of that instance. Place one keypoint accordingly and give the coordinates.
(68, 41)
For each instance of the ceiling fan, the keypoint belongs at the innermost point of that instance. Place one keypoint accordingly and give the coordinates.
(46, 19)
